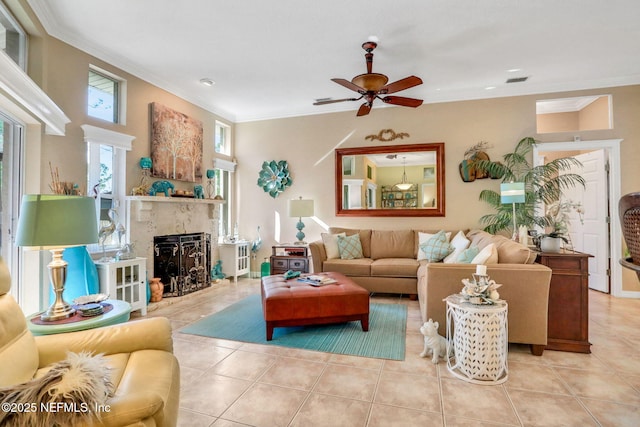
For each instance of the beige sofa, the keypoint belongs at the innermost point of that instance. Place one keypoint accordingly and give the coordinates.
(390, 265)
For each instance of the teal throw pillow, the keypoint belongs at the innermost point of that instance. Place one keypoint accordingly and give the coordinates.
(468, 255)
(350, 247)
(437, 247)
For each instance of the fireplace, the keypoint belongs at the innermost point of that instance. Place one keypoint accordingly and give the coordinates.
(183, 262)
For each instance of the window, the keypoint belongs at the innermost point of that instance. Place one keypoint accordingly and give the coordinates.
(105, 96)
(223, 185)
(222, 139)
(106, 163)
(13, 39)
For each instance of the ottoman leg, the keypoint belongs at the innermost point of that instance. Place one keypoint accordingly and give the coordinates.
(364, 321)
(269, 331)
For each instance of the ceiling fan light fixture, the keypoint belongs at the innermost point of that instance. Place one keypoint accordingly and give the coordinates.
(370, 81)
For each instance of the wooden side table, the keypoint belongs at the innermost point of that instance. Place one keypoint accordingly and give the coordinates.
(289, 257)
(118, 314)
(478, 335)
(568, 324)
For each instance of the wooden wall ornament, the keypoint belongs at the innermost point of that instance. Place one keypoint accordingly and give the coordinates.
(386, 135)
(467, 169)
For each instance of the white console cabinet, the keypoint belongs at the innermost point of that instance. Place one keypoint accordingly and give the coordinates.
(125, 280)
(235, 259)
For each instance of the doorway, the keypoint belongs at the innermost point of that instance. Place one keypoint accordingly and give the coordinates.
(611, 151)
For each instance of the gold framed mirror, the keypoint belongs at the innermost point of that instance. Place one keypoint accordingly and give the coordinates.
(390, 181)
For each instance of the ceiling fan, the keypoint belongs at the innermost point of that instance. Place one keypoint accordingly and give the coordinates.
(372, 85)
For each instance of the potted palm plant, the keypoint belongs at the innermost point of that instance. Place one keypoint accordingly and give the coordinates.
(544, 185)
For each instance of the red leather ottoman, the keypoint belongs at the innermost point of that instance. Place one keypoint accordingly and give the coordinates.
(294, 303)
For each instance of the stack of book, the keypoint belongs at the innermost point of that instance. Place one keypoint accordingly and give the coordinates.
(317, 280)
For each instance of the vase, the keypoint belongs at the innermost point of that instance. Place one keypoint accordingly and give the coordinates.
(157, 289)
(550, 244)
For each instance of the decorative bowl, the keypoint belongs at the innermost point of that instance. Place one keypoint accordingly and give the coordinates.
(89, 299)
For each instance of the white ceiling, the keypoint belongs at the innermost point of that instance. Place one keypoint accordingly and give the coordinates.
(273, 59)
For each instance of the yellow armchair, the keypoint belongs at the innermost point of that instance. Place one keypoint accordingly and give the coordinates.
(144, 372)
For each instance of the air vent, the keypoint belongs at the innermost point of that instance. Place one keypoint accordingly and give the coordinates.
(517, 79)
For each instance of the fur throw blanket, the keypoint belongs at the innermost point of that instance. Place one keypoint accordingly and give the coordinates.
(71, 394)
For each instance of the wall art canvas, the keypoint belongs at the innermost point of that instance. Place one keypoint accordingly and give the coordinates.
(176, 145)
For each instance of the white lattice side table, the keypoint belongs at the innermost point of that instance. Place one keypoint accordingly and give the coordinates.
(478, 335)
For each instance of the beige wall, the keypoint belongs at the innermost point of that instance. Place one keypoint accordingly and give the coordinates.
(558, 122)
(595, 115)
(66, 84)
(308, 144)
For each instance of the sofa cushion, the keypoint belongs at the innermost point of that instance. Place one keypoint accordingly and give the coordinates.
(350, 247)
(459, 243)
(423, 238)
(392, 244)
(468, 255)
(436, 248)
(349, 267)
(509, 252)
(488, 255)
(331, 244)
(395, 267)
(365, 238)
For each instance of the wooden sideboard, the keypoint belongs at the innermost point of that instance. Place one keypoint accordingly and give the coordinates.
(568, 328)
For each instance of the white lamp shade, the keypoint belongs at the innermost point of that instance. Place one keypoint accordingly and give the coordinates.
(512, 192)
(300, 208)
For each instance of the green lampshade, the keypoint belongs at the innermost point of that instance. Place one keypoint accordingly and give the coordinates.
(56, 221)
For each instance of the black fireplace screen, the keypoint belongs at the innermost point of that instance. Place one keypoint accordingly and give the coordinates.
(183, 262)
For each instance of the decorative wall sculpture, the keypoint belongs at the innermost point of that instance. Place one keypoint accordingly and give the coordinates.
(274, 177)
(176, 145)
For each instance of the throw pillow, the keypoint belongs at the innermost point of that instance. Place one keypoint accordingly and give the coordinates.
(331, 244)
(81, 379)
(350, 247)
(460, 243)
(422, 239)
(437, 247)
(488, 255)
(468, 255)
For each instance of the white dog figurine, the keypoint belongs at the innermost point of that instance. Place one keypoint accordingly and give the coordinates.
(434, 344)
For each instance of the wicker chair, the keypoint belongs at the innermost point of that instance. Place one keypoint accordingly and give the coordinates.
(629, 207)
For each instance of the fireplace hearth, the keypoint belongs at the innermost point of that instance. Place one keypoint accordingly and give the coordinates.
(183, 263)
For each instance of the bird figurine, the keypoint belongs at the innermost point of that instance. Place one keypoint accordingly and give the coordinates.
(257, 243)
(106, 231)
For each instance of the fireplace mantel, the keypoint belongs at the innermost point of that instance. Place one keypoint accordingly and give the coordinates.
(141, 206)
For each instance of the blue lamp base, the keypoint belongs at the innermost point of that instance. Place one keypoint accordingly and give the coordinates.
(300, 234)
(82, 274)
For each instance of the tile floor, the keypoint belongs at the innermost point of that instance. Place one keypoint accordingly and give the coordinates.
(227, 383)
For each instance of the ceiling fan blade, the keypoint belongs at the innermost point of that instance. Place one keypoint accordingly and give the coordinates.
(401, 84)
(346, 83)
(401, 100)
(332, 101)
(364, 109)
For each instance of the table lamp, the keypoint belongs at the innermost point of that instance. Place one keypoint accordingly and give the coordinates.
(512, 192)
(56, 222)
(300, 208)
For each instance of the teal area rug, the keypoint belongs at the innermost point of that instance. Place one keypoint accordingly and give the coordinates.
(243, 321)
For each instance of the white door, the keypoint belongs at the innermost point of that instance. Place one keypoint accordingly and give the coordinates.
(591, 236)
